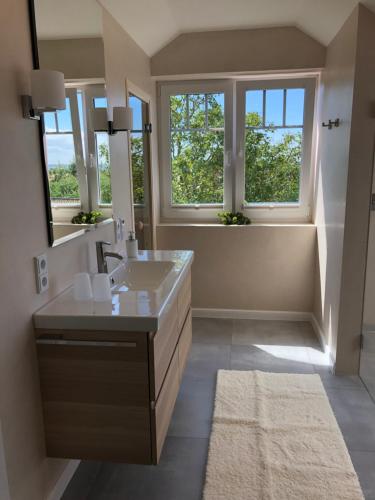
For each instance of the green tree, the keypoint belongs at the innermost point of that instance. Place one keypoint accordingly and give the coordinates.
(63, 181)
(138, 168)
(104, 171)
(272, 157)
(197, 154)
(272, 166)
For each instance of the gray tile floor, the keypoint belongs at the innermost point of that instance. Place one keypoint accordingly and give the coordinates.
(241, 345)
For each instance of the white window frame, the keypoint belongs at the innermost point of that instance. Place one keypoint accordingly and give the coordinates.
(234, 168)
(271, 212)
(63, 210)
(91, 92)
(204, 212)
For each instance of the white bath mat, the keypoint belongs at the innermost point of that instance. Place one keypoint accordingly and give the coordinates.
(275, 437)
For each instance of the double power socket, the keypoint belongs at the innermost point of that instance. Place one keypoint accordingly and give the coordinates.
(41, 273)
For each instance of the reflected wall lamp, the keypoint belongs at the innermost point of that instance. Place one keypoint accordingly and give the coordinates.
(122, 120)
(47, 93)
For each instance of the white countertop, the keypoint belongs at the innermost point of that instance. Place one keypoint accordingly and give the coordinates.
(128, 311)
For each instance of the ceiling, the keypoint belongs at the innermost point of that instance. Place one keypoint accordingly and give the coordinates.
(68, 18)
(153, 23)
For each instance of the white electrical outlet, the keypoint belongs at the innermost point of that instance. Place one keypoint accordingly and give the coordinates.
(42, 283)
(41, 273)
(41, 264)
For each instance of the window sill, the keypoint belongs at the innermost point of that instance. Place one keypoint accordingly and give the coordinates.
(249, 226)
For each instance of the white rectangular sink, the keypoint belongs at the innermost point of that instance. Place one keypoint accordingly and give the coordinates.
(141, 275)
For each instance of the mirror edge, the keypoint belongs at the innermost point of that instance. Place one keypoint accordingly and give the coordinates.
(46, 192)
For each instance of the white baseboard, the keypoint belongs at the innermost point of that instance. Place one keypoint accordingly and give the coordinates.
(63, 480)
(251, 314)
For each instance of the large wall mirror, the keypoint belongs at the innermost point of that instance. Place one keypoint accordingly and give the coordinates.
(77, 171)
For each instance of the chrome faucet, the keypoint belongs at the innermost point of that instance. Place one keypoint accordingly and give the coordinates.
(101, 256)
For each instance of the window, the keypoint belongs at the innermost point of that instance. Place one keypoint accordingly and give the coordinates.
(77, 156)
(196, 146)
(267, 175)
(137, 147)
(104, 192)
(64, 151)
(97, 147)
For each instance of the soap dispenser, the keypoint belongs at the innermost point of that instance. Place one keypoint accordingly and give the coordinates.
(132, 246)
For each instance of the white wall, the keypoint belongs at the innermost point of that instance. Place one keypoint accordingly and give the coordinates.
(23, 235)
(259, 267)
(332, 173)
(369, 305)
(4, 486)
(125, 60)
(258, 50)
(344, 186)
(77, 58)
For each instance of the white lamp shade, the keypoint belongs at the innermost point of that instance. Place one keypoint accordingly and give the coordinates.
(47, 90)
(122, 118)
(100, 120)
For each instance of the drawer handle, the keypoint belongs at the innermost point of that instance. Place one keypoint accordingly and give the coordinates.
(85, 343)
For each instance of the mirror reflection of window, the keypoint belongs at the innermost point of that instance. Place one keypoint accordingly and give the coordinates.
(137, 151)
(78, 159)
(140, 166)
(102, 159)
(64, 149)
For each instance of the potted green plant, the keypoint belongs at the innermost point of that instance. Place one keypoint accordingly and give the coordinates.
(233, 219)
(92, 217)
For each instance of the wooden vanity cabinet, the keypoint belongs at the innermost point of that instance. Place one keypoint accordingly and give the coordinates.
(109, 395)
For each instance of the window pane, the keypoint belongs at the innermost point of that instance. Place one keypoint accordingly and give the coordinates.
(49, 122)
(100, 102)
(136, 104)
(254, 108)
(178, 111)
(64, 118)
(62, 170)
(197, 110)
(295, 100)
(215, 110)
(274, 107)
(138, 167)
(197, 162)
(273, 165)
(104, 168)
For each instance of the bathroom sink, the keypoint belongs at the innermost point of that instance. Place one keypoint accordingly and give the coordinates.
(141, 275)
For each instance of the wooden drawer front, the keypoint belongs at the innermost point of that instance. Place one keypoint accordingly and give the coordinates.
(184, 300)
(164, 407)
(184, 344)
(162, 346)
(96, 399)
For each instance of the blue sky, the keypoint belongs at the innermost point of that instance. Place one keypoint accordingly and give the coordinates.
(61, 148)
(274, 105)
(136, 104)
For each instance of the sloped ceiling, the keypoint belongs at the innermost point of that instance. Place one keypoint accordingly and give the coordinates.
(154, 23)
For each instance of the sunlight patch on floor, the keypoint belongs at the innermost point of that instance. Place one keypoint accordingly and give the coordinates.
(299, 354)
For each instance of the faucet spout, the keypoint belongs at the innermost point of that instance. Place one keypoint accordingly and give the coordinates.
(101, 256)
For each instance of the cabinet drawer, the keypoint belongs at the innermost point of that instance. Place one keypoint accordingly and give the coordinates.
(162, 346)
(184, 300)
(95, 399)
(184, 344)
(162, 413)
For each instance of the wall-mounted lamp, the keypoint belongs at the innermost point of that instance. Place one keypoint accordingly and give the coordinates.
(122, 120)
(47, 93)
